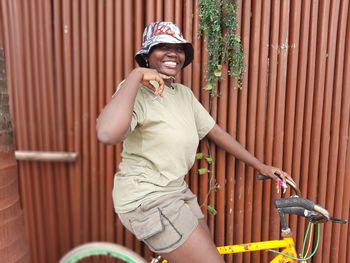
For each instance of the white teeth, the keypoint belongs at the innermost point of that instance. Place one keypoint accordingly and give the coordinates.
(170, 63)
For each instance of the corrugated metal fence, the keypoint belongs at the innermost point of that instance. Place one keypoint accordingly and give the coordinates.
(65, 58)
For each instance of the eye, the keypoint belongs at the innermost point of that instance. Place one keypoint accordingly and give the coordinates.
(179, 49)
(163, 46)
(167, 47)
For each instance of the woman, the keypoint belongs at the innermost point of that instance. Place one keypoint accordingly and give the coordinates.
(161, 128)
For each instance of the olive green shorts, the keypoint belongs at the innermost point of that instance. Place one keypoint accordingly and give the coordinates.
(165, 223)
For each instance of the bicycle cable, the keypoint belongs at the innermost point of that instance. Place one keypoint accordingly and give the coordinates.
(309, 226)
(312, 254)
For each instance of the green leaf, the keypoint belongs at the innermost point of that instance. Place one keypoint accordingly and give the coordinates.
(199, 156)
(202, 170)
(209, 160)
(237, 38)
(211, 210)
(217, 73)
(208, 87)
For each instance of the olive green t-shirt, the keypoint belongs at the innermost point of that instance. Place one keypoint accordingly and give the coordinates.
(161, 146)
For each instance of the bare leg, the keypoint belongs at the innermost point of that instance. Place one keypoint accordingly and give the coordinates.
(203, 223)
(199, 247)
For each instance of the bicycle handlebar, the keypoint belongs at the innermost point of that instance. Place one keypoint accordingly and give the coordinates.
(302, 207)
(299, 206)
(306, 208)
(294, 202)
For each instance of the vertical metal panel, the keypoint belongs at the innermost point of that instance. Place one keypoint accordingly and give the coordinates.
(271, 97)
(108, 160)
(253, 75)
(345, 237)
(291, 92)
(119, 56)
(307, 115)
(302, 62)
(261, 121)
(233, 96)
(241, 128)
(66, 59)
(329, 139)
(341, 200)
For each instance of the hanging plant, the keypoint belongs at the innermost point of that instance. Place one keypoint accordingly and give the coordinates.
(218, 24)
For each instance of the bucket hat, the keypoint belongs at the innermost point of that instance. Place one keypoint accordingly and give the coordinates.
(162, 32)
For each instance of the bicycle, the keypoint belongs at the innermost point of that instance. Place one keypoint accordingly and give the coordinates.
(294, 205)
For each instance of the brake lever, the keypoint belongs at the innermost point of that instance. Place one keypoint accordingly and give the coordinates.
(338, 221)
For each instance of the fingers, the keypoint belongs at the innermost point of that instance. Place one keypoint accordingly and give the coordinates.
(163, 76)
(149, 85)
(288, 177)
(160, 90)
(157, 78)
(161, 87)
(280, 177)
(147, 81)
(283, 180)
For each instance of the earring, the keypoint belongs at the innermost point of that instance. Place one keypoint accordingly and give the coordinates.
(146, 63)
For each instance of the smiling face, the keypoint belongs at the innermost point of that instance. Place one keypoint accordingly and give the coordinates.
(167, 59)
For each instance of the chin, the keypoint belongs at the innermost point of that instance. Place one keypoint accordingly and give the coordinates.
(170, 72)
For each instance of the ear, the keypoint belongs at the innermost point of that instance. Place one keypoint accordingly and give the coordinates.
(145, 57)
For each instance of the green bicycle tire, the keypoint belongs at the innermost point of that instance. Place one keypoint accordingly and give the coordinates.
(101, 249)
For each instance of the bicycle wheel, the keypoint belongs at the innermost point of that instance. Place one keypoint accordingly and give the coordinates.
(101, 249)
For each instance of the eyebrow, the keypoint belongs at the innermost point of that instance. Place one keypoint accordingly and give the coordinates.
(173, 45)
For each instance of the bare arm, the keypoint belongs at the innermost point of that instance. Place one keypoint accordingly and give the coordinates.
(113, 123)
(225, 141)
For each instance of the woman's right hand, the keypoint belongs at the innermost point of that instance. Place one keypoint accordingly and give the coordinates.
(149, 77)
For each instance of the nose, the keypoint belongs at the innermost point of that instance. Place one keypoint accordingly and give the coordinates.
(172, 53)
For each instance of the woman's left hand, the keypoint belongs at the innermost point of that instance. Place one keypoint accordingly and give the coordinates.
(276, 174)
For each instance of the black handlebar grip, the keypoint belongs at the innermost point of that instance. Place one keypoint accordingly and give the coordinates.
(294, 202)
(299, 211)
(262, 177)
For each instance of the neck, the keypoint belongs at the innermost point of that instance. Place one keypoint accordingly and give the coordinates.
(168, 82)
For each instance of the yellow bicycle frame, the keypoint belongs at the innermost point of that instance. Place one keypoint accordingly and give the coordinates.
(287, 243)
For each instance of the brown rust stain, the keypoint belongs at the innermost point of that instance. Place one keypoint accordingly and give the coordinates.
(247, 247)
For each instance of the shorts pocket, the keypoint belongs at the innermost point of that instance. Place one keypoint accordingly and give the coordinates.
(165, 239)
(148, 225)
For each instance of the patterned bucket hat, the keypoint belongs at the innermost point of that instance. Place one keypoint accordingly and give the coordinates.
(162, 32)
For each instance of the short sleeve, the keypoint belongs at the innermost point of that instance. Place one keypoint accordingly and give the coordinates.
(138, 113)
(204, 121)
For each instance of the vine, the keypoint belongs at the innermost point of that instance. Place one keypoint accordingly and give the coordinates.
(219, 24)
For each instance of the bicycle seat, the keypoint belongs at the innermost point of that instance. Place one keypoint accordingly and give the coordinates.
(302, 207)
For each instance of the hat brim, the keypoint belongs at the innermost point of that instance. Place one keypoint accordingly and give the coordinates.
(188, 48)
